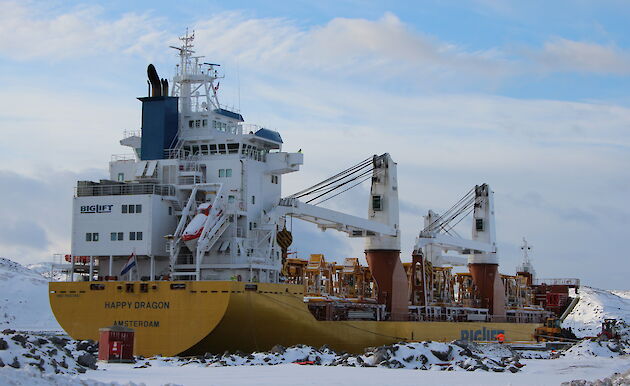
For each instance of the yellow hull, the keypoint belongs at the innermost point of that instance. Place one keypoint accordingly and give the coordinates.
(194, 317)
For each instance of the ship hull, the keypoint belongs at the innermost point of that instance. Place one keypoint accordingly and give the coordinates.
(195, 317)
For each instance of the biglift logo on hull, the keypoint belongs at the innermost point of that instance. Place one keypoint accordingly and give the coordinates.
(96, 208)
(482, 334)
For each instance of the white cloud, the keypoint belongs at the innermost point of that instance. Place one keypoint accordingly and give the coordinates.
(561, 55)
(28, 32)
(382, 49)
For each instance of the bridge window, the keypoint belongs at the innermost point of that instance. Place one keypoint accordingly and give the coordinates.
(479, 224)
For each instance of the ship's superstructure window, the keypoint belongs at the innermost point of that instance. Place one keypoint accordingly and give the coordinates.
(135, 236)
(479, 224)
(225, 173)
(232, 148)
(91, 236)
(253, 200)
(131, 208)
(117, 236)
(121, 177)
(274, 179)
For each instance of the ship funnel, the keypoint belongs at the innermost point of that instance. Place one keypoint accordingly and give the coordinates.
(164, 87)
(156, 87)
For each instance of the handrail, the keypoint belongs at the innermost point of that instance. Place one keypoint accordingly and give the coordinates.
(96, 189)
(558, 281)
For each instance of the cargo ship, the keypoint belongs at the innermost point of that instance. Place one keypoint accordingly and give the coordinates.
(189, 243)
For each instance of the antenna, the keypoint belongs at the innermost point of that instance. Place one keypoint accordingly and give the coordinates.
(238, 80)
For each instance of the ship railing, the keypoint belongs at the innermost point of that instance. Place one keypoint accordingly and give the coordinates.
(558, 281)
(123, 190)
(132, 133)
(123, 157)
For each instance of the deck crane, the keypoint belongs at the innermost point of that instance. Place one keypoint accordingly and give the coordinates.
(381, 228)
(438, 235)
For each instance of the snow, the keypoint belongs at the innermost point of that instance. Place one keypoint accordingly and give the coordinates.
(594, 306)
(536, 372)
(24, 306)
(24, 301)
(455, 356)
(594, 348)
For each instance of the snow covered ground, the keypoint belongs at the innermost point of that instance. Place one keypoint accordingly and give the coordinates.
(535, 372)
(24, 307)
(24, 299)
(595, 305)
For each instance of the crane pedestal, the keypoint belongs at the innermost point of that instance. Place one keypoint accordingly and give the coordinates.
(489, 288)
(391, 279)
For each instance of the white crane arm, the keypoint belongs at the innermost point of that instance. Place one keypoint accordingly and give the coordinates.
(448, 242)
(329, 219)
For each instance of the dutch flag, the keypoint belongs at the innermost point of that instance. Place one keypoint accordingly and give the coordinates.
(131, 262)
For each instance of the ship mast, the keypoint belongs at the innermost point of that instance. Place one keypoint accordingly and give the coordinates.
(194, 81)
(526, 265)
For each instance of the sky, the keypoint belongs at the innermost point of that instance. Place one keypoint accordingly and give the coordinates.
(532, 98)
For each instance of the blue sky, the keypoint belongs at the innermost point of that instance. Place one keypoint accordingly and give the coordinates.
(530, 97)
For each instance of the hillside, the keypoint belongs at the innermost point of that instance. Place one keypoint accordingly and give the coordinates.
(594, 306)
(24, 299)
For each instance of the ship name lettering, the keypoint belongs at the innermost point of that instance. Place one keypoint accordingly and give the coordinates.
(118, 305)
(137, 323)
(155, 305)
(152, 305)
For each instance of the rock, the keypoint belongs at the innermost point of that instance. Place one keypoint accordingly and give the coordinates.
(3, 344)
(278, 349)
(8, 331)
(87, 345)
(87, 360)
(1, 363)
(20, 339)
(15, 364)
(59, 342)
(443, 355)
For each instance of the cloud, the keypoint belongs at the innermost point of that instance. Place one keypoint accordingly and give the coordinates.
(23, 233)
(36, 213)
(383, 49)
(28, 32)
(560, 55)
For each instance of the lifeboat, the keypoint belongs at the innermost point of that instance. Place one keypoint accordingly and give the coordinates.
(196, 225)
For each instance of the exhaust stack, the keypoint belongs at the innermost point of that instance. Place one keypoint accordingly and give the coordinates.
(383, 252)
(154, 79)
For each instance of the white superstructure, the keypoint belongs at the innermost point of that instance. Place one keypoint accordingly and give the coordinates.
(200, 198)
